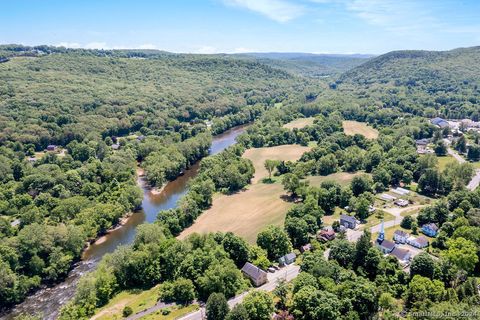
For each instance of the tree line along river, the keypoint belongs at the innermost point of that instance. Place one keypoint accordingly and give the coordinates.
(48, 301)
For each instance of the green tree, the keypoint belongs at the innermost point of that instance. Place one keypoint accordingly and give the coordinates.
(217, 307)
(360, 184)
(362, 247)
(270, 165)
(259, 305)
(462, 253)
(290, 183)
(239, 312)
(343, 252)
(423, 265)
(310, 303)
(275, 241)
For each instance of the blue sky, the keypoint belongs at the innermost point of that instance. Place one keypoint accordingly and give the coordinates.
(210, 26)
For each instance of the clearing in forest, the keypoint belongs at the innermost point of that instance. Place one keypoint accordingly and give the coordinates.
(289, 152)
(299, 123)
(354, 127)
(247, 212)
(343, 178)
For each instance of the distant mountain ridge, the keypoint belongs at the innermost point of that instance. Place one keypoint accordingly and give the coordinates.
(310, 64)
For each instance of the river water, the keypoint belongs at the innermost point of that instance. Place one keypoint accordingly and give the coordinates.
(47, 302)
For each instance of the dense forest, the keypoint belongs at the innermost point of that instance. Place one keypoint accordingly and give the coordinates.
(110, 112)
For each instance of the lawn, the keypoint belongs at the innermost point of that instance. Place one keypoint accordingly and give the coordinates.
(175, 313)
(444, 161)
(137, 300)
(373, 220)
(291, 152)
(354, 127)
(245, 213)
(389, 232)
(329, 219)
(299, 123)
(343, 178)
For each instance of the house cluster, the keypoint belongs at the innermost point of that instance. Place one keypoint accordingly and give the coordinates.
(422, 146)
(400, 236)
(391, 248)
(259, 276)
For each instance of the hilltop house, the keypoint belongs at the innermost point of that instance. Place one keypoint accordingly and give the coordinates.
(418, 242)
(255, 274)
(400, 236)
(348, 221)
(430, 229)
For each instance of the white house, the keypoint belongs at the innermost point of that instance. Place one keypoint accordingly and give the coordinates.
(400, 236)
(420, 242)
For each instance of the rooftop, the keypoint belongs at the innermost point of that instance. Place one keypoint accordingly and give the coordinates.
(253, 271)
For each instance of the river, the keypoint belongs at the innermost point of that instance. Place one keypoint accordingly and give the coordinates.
(48, 302)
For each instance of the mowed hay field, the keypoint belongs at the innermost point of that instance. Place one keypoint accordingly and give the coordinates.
(343, 178)
(289, 152)
(299, 123)
(247, 212)
(354, 127)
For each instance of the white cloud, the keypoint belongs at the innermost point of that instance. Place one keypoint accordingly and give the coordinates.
(97, 45)
(242, 50)
(69, 44)
(277, 10)
(400, 16)
(206, 50)
(147, 46)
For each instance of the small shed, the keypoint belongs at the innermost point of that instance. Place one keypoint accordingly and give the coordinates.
(255, 274)
(387, 197)
(51, 147)
(401, 202)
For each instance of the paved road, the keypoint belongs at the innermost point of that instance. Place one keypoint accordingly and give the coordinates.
(288, 273)
(473, 184)
(454, 154)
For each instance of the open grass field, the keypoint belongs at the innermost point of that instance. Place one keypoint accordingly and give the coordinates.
(373, 220)
(138, 301)
(258, 156)
(343, 178)
(444, 161)
(354, 127)
(299, 123)
(245, 213)
(174, 313)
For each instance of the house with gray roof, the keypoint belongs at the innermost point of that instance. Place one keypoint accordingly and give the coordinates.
(403, 255)
(255, 274)
(348, 221)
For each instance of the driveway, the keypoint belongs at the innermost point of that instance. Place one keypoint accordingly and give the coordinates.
(473, 184)
(288, 273)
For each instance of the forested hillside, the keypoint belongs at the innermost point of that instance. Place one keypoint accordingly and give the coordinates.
(55, 97)
(423, 82)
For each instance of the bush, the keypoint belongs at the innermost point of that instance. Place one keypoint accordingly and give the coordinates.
(127, 311)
